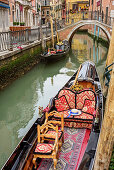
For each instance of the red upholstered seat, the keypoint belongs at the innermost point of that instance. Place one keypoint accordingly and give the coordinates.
(65, 113)
(83, 116)
(84, 100)
(53, 134)
(42, 148)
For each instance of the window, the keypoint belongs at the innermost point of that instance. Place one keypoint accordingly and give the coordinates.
(43, 13)
(74, 6)
(47, 12)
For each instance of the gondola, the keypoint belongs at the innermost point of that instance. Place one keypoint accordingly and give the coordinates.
(85, 87)
(60, 51)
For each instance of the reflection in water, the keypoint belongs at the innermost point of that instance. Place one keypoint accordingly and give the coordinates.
(85, 48)
(19, 102)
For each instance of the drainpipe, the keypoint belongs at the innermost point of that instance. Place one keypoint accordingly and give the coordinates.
(94, 51)
(99, 19)
(98, 29)
(94, 30)
(97, 54)
(92, 11)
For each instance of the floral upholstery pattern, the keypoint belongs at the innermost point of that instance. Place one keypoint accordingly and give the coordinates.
(84, 100)
(82, 96)
(82, 125)
(65, 113)
(89, 106)
(84, 116)
(78, 125)
(68, 124)
(61, 103)
(42, 148)
(53, 133)
(70, 96)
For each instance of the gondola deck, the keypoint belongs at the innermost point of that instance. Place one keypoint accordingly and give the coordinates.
(69, 156)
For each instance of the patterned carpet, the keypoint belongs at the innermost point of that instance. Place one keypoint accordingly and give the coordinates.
(70, 151)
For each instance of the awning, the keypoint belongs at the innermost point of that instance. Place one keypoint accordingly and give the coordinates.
(4, 5)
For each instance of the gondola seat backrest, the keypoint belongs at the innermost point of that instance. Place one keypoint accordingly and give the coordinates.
(68, 99)
(84, 95)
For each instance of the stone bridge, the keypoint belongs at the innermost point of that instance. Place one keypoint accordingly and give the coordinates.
(68, 31)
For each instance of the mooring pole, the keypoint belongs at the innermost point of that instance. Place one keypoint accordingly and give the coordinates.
(51, 21)
(106, 138)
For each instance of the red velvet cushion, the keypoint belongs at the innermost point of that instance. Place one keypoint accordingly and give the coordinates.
(53, 134)
(82, 96)
(43, 148)
(61, 104)
(89, 106)
(70, 96)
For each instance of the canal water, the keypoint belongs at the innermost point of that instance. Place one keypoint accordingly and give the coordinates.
(20, 101)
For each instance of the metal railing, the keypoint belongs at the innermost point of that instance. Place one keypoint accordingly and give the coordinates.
(88, 15)
(13, 39)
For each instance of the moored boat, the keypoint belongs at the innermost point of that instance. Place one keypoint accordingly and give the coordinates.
(60, 51)
(82, 92)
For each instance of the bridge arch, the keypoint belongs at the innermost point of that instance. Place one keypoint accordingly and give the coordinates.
(89, 22)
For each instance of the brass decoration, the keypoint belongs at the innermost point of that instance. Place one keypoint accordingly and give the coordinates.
(76, 87)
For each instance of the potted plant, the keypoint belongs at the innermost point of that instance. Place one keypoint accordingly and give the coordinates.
(17, 23)
(22, 23)
(14, 23)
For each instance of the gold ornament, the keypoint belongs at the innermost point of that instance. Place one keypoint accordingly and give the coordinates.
(76, 87)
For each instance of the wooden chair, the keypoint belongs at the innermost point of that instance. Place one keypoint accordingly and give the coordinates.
(59, 122)
(46, 150)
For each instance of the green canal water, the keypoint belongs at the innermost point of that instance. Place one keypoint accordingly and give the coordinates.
(20, 101)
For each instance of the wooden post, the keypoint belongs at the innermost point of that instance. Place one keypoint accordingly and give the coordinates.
(42, 38)
(56, 30)
(110, 57)
(106, 138)
(51, 21)
(77, 75)
(11, 42)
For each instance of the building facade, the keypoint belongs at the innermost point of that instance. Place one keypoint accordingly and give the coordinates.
(4, 15)
(64, 10)
(45, 11)
(105, 8)
(16, 13)
(75, 9)
(56, 9)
